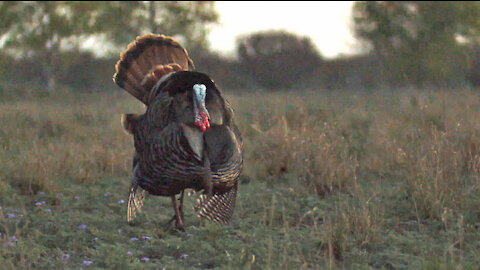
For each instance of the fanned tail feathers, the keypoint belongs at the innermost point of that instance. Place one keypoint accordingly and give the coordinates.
(219, 208)
(135, 201)
(146, 60)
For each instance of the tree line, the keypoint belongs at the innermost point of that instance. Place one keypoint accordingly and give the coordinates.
(47, 30)
(409, 43)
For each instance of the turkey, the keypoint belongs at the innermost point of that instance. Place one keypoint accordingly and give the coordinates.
(187, 137)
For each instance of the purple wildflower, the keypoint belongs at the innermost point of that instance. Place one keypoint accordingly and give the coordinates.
(14, 238)
(77, 198)
(41, 193)
(145, 259)
(65, 256)
(146, 237)
(183, 256)
(95, 239)
(129, 252)
(121, 202)
(40, 203)
(188, 235)
(106, 194)
(48, 210)
(82, 227)
(133, 239)
(59, 195)
(87, 262)
(10, 215)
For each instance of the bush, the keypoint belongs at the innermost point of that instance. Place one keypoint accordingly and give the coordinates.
(277, 59)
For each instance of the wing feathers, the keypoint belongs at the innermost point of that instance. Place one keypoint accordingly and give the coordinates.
(135, 201)
(219, 208)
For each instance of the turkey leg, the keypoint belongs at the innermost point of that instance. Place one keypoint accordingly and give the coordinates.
(178, 216)
(180, 208)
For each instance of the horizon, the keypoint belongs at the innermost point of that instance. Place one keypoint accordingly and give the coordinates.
(328, 24)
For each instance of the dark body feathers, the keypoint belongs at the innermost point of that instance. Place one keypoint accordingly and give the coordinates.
(171, 153)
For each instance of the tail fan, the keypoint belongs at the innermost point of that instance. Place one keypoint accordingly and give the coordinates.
(135, 201)
(146, 60)
(219, 208)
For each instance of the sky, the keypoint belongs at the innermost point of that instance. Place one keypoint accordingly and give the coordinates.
(328, 24)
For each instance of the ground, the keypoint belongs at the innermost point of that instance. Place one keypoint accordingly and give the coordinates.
(332, 180)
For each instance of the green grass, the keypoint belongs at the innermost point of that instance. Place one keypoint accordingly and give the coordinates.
(332, 180)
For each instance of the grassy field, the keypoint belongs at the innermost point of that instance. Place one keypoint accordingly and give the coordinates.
(332, 180)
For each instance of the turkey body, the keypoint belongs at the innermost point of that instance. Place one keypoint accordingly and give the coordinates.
(187, 137)
(170, 150)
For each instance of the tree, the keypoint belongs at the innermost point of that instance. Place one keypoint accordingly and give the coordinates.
(277, 59)
(44, 29)
(188, 21)
(418, 41)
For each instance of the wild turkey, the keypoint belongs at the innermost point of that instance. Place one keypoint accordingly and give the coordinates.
(187, 137)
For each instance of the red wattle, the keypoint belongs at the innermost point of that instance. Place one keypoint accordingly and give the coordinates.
(203, 122)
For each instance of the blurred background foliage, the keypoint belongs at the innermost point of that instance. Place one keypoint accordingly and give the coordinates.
(420, 42)
(408, 44)
(360, 177)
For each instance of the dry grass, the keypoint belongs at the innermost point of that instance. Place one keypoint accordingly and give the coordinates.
(72, 139)
(331, 179)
